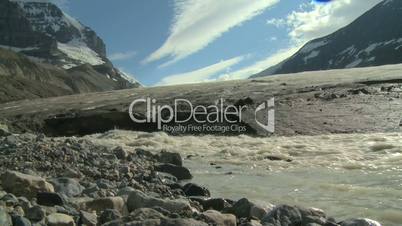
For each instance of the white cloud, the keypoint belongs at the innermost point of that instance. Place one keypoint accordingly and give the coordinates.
(122, 56)
(197, 23)
(200, 75)
(259, 66)
(310, 22)
(323, 19)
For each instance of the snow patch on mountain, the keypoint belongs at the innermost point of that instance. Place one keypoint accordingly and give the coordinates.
(79, 51)
(312, 46)
(313, 54)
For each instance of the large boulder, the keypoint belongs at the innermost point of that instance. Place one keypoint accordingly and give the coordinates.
(360, 222)
(216, 218)
(59, 219)
(24, 185)
(179, 172)
(285, 215)
(170, 158)
(101, 204)
(137, 200)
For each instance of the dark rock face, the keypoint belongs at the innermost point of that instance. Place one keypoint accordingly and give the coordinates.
(356, 45)
(179, 172)
(191, 189)
(49, 199)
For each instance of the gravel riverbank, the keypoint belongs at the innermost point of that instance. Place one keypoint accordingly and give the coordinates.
(73, 181)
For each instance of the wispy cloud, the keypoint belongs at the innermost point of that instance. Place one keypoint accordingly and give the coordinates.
(261, 65)
(122, 56)
(201, 75)
(197, 23)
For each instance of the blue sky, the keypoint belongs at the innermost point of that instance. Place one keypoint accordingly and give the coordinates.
(163, 42)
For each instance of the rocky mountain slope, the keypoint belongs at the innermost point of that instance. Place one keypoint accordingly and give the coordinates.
(57, 55)
(373, 39)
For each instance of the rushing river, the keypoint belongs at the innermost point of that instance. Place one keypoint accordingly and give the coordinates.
(348, 175)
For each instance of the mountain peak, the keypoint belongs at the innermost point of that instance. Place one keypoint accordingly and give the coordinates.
(360, 44)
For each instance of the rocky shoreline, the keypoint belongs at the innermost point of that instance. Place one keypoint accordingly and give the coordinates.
(72, 181)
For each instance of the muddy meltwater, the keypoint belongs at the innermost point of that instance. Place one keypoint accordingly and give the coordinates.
(345, 175)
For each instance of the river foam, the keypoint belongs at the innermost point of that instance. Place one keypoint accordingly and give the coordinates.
(346, 175)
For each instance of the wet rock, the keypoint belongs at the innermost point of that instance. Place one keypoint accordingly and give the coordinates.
(191, 189)
(170, 158)
(24, 185)
(179, 172)
(292, 215)
(215, 203)
(20, 221)
(216, 218)
(35, 213)
(88, 219)
(241, 208)
(360, 222)
(9, 200)
(257, 212)
(166, 178)
(105, 184)
(49, 199)
(59, 219)
(100, 204)
(109, 215)
(120, 153)
(5, 219)
(137, 200)
(67, 186)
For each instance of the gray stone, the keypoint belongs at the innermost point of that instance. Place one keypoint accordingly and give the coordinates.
(170, 158)
(5, 219)
(88, 219)
(102, 204)
(20, 221)
(241, 208)
(181, 222)
(137, 200)
(145, 214)
(216, 218)
(24, 185)
(9, 199)
(109, 215)
(67, 186)
(360, 222)
(35, 213)
(179, 172)
(59, 219)
(285, 215)
(120, 153)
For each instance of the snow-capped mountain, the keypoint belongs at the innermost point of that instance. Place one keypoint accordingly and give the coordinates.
(375, 38)
(48, 36)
